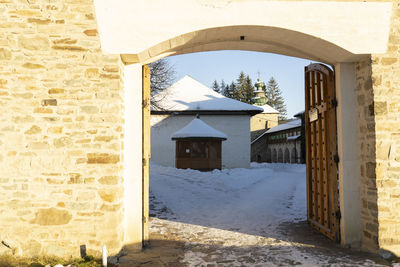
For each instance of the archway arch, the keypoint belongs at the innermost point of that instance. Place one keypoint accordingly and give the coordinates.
(287, 156)
(274, 156)
(269, 155)
(280, 155)
(293, 156)
(344, 36)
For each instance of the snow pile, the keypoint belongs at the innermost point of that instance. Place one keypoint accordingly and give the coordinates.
(187, 94)
(197, 128)
(246, 200)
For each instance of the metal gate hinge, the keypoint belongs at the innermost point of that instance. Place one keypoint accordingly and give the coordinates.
(144, 161)
(338, 214)
(336, 159)
(334, 102)
(145, 103)
(144, 219)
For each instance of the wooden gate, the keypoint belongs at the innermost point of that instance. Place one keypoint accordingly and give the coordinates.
(321, 151)
(145, 152)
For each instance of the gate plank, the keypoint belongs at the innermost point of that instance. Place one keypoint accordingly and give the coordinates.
(321, 147)
(145, 152)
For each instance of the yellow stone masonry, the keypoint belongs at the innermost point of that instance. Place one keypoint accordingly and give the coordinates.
(378, 97)
(61, 134)
(60, 131)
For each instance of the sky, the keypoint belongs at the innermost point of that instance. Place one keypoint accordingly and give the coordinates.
(217, 65)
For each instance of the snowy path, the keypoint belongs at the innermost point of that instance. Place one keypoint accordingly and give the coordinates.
(244, 200)
(238, 217)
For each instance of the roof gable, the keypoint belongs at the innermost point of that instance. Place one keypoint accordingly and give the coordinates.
(198, 129)
(187, 94)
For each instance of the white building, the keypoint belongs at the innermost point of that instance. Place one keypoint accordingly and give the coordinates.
(181, 102)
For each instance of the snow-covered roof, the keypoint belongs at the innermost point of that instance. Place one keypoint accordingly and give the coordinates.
(280, 127)
(294, 137)
(299, 113)
(198, 129)
(268, 109)
(285, 126)
(187, 94)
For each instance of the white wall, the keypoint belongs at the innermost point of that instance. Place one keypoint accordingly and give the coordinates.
(235, 150)
(349, 170)
(133, 155)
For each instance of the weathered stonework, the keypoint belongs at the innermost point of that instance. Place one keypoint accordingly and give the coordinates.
(378, 96)
(60, 131)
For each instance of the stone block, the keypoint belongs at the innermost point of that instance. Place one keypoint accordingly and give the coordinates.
(380, 108)
(68, 41)
(75, 178)
(109, 195)
(90, 109)
(5, 54)
(62, 142)
(72, 48)
(49, 102)
(33, 130)
(56, 91)
(33, 43)
(90, 32)
(52, 216)
(388, 61)
(102, 158)
(104, 138)
(55, 130)
(31, 248)
(43, 110)
(92, 73)
(109, 180)
(29, 65)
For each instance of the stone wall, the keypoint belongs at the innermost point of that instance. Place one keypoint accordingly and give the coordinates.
(61, 131)
(379, 131)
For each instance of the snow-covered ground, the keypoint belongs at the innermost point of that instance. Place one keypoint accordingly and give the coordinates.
(244, 200)
(235, 217)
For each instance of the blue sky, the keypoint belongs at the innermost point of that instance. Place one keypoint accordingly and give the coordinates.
(208, 66)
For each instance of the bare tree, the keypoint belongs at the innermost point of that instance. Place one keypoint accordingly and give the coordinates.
(162, 75)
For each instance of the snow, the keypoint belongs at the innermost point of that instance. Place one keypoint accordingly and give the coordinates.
(295, 137)
(247, 200)
(198, 128)
(187, 94)
(268, 109)
(234, 217)
(285, 126)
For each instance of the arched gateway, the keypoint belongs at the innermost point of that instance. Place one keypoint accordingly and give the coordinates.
(80, 137)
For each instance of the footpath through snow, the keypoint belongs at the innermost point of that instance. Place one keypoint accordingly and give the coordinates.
(236, 217)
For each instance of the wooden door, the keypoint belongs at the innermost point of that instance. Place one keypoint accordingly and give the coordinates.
(321, 151)
(145, 152)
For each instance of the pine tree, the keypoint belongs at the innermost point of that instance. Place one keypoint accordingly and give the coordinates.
(243, 88)
(223, 87)
(215, 86)
(230, 90)
(275, 98)
(249, 90)
(240, 87)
